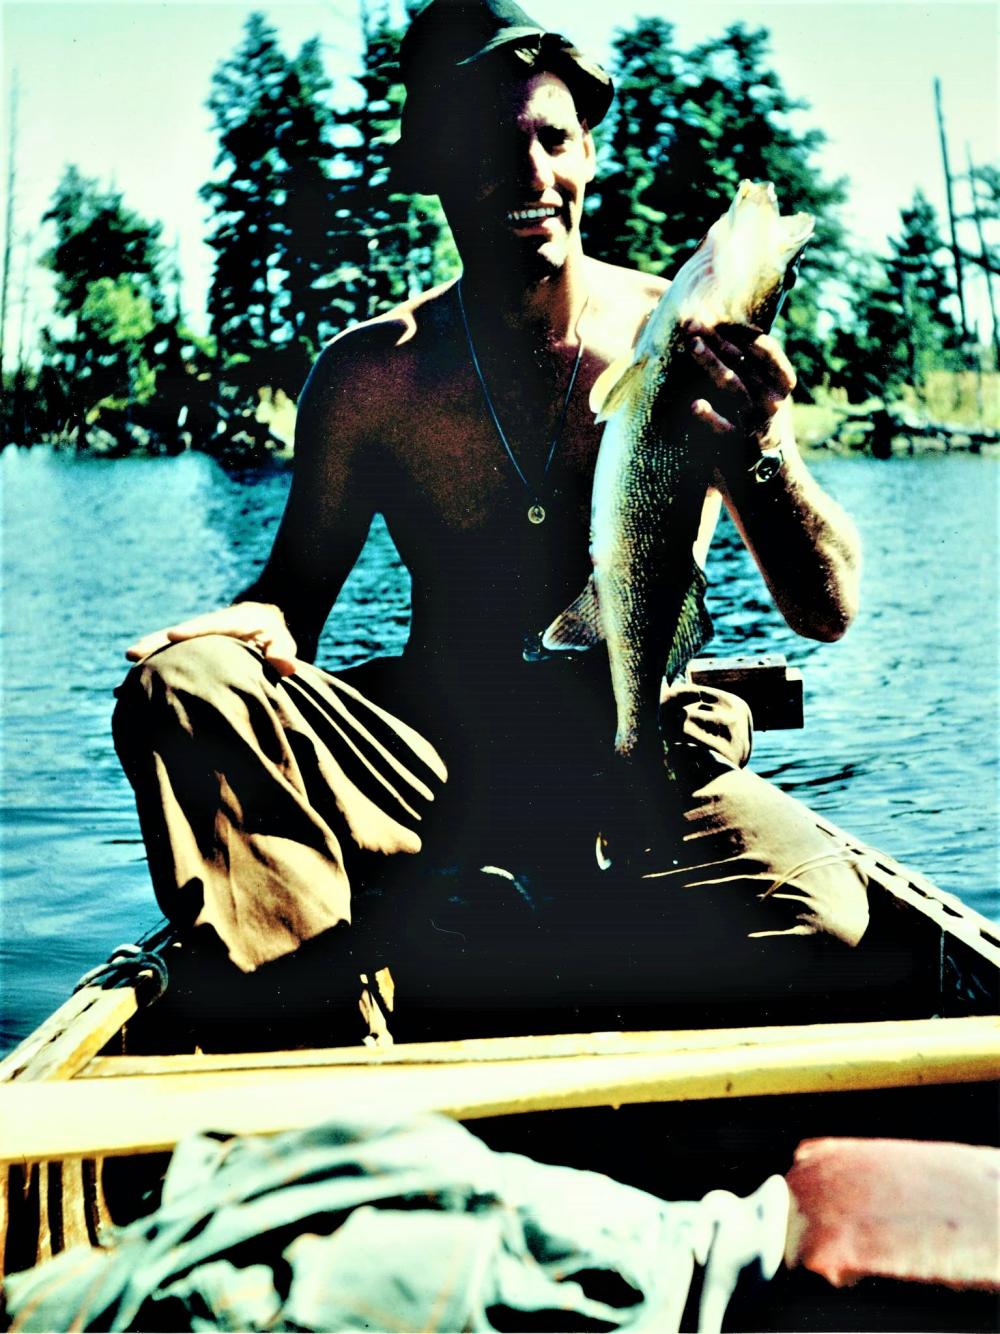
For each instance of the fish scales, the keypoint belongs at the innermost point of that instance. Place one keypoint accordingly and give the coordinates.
(641, 527)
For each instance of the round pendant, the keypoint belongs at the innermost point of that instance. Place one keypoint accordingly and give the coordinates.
(536, 514)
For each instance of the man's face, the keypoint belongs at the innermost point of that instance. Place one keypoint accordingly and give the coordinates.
(521, 174)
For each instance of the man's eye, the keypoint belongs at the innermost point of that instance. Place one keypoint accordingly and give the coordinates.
(553, 140)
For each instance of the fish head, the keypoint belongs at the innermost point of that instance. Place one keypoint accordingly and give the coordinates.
(746, 263)
(738, 277)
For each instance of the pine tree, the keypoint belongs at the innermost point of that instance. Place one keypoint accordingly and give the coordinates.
(900, 326)
(689, 126)
(305, 201)
(98, 237)
(924, 290)
(869, 353)
(626, 220)
(388, 245)
(106, 260)
(246, 300)
(309, 233)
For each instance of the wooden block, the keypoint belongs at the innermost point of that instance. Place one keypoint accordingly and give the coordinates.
(771, 688)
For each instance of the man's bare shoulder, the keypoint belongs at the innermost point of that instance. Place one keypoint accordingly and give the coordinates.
(362, 374)
(616, 284)
(391, 337)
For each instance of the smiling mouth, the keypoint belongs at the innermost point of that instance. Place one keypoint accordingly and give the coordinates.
(530, 217)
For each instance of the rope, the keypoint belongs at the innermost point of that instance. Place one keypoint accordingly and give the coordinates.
(129, 965)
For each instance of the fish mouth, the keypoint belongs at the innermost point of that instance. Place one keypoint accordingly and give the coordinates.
(531, 217)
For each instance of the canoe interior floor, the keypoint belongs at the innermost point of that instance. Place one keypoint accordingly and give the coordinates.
(907, 967)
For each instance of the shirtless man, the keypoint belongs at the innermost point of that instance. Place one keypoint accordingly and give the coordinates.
(453, 415)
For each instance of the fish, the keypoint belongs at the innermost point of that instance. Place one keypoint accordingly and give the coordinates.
(643, 598)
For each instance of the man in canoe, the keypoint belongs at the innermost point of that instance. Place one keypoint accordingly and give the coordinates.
(272, 794)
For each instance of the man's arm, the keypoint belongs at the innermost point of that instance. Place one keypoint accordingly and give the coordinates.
(331, 502)
(805, 545)
(324, 526)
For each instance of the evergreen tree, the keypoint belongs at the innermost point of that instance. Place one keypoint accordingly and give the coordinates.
(387, 245)
(924, 290)
(106, 260)
(98, 237)
(305, 193)
(309, 233)
(870, 355)
(246, 300)
(628, 206)
(901, 327)
(688, 127)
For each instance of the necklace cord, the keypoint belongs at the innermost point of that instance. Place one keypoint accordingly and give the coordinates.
(488, 400)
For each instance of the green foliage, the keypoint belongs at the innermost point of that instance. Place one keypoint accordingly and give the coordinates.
(921, 279)
(901, 328)
(98, 237)
(631, 204)
(686, 129)
(117, 320)
(245, 298)
(372, 220)
(106, 261)
(116, 313)
(388, 245)
(870, 353)
(305, 197)
(309, 234)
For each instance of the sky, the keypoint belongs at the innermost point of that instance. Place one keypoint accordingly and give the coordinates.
(119, 90)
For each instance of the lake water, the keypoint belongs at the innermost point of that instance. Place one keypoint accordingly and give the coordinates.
(901, 715)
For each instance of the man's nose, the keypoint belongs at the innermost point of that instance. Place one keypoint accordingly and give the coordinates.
(536, 166)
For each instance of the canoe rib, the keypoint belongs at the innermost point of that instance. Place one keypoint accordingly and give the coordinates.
(49, 1204)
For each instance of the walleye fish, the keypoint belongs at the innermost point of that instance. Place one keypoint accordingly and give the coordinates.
(643, 597)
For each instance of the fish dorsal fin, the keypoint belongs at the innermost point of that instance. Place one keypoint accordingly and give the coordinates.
(579, 626)
(612, 386)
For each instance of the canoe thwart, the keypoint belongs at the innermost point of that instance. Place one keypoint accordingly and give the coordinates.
(41, 1121)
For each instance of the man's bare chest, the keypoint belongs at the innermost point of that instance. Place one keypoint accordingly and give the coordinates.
(469, 459)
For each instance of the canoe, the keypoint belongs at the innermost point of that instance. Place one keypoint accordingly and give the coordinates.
(93, 1101)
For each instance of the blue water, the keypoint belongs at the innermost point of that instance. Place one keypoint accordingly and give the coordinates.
(902, 720)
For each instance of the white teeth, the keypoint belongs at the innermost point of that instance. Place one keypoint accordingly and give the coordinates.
(531, 214)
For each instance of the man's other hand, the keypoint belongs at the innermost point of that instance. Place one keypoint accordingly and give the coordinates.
(259, 624)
